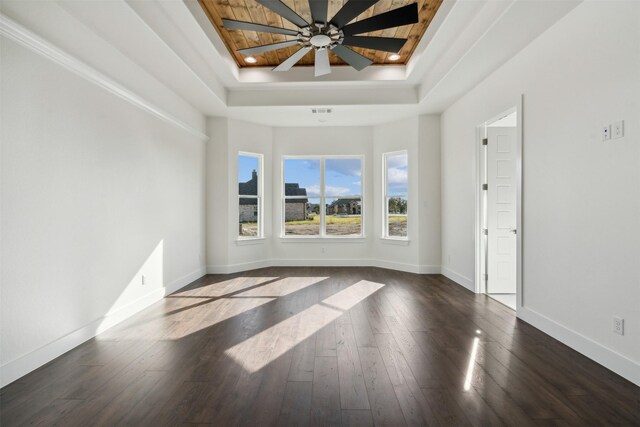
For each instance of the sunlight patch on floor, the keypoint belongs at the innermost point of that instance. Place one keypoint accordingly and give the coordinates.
(226, 287)
(295, 329)
(282, 287)
(188, 314)
(472, 363)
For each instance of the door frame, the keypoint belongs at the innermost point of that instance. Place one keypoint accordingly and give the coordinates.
(480, 248)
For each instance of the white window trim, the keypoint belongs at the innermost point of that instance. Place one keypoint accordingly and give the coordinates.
(260, 237)
(385, 209)
(322, 236)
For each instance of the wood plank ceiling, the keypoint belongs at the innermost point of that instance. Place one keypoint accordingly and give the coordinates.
(251, 11)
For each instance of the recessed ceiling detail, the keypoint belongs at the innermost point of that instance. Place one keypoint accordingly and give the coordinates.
(235, 19)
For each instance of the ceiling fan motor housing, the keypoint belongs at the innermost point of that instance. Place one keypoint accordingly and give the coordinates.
(321, 36)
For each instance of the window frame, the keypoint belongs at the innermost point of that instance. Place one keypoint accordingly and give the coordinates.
(258, 197)
(322, 196)
(385, 197)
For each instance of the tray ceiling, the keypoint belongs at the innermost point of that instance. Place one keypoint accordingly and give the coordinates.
(251, 11)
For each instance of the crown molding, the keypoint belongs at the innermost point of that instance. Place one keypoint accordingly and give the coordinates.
(21, 35)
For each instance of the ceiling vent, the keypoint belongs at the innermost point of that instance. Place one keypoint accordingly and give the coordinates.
(321, 110)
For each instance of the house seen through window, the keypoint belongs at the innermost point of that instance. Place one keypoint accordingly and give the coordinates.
(249, 195)
(322, 196)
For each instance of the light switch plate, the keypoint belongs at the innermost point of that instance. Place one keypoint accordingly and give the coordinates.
(606, 133)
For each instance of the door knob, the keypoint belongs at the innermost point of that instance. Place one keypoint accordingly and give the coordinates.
(514, 231)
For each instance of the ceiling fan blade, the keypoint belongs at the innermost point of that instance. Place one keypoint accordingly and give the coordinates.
(352, 58)
(283, 10)
(319, 10)
(322, 66)
(292, 60)
(231, 24)
(387, 44)
(267, 47)
(394, 18)
(350, 10)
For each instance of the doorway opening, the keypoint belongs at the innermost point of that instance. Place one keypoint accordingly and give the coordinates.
(498, 225)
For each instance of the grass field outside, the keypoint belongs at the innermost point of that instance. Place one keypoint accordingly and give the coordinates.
(336, 225)
(397, 225)
(248, 229)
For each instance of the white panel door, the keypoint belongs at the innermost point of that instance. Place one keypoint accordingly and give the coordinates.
(501, 210)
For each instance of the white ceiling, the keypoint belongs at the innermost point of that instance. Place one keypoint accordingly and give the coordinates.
(174, 42)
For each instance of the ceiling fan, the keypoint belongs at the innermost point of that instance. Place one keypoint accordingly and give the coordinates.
(335, 35)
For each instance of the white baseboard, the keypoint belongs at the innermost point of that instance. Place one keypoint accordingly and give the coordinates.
(17, 368)
(458, 278)
(184, 280)
(608, 358)
(321, 262)
(409, 268)
(392, 265)
(236, 268)
(430, 269)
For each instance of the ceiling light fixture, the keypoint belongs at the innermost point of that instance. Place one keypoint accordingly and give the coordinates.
(250, 60)
(394, 57)
(323, 35)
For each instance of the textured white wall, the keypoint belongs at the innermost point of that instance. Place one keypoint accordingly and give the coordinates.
(95, 193)
(581, 204)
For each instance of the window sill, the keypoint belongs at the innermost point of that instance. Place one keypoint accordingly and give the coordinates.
(318, 239)
(250, 241)
(395, 241)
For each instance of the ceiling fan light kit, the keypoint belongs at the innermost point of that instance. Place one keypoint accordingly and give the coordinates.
(335, 35)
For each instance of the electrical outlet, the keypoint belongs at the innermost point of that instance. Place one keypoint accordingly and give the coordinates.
(617, 129)
(618, 325)
(322, 250)
(142, 279)
(606, 133)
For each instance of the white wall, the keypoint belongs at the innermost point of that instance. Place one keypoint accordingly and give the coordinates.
(396, 136)
(429, 236)
(225, 253)
(217, 188)
(581, 204)
(322, 141)
(52, 21)
(251, 138)
(95, 193)
(419, 135)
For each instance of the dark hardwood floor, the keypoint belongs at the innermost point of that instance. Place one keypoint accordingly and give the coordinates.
(322, 346)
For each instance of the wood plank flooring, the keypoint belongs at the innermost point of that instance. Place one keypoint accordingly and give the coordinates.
(322, 346)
